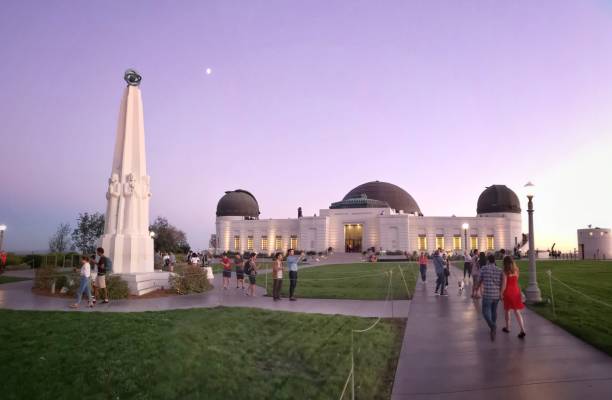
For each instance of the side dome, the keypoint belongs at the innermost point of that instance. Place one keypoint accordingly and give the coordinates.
(498, 199)
(394, 196)
(238, 203)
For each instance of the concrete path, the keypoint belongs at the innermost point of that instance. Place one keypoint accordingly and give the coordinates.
(18, 296)
(447, 354)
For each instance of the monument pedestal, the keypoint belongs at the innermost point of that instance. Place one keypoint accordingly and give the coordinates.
(146, 282)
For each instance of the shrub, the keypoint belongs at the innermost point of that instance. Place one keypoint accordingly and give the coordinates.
(44, 277)
(191, 280)
(117, 287)
(13, 259)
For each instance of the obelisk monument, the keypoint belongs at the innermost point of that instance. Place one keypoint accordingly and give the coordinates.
(126, 236)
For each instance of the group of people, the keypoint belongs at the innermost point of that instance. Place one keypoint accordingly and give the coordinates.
(248, 267)
(93, 273)
(489, 283)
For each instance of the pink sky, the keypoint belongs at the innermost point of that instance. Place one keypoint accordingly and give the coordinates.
(306, 101)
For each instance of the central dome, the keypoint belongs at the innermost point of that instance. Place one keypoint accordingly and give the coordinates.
(394, 196)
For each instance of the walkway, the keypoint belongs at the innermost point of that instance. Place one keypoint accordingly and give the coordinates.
(18, 296)
(447, 354)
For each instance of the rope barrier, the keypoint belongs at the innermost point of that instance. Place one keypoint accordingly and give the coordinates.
(603, 303)
(351, 375)
(405, 283)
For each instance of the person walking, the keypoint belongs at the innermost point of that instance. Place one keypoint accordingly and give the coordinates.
(93, 276)
(227, 271)
(84, 287)
(491, 281)
(277, 276)
(447, 266)
(292, 266)
(105, 266)
(250, 269)
(478, 261)
(172, 261)
(423, 267)
(511, 296)
(239, 267)
(467, 264)
(440, 268)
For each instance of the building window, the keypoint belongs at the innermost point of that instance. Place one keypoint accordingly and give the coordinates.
(264, 243)
(474, 242)
(439, 242)
(293, 242)
(250, 243)
(457, 242)
(236, 243)
(422, 243)
(278, 243)
(490, 242)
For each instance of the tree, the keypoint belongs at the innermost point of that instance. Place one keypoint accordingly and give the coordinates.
(89, 228)
(60, 241)
(168, 237)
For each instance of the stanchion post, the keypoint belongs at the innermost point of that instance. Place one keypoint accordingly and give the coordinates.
(352, 369)
(552, 297)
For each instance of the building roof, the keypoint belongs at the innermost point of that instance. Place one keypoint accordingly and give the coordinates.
(498, 199)
(238, 203)
(385, 195)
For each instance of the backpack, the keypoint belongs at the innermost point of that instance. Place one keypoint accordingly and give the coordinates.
(247, 267)
(108, 264)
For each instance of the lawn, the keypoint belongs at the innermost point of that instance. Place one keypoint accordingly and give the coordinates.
(221, 353)
(582, 316)
(363, 281)
(10, 279)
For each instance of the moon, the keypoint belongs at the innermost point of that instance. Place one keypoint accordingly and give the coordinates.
(208, 71)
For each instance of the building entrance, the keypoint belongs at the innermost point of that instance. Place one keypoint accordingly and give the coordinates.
(353, 237)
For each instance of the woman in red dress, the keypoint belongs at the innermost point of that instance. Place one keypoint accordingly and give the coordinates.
(511, 295)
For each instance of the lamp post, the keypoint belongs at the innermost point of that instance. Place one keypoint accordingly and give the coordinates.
(532, 293)
(465, 227)
(2, 229)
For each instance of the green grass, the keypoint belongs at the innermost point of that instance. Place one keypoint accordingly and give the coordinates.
(362, 281)
(11, 279)
(221, 353)
(581, 316)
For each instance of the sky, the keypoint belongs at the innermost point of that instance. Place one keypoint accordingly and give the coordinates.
(306, 100)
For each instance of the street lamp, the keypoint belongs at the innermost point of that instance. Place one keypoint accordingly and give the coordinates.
(465, 227)
(152, 234)
(532, 293)
(2, 229)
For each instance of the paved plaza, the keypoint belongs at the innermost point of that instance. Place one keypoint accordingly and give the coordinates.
(446, 351)
(447, 354)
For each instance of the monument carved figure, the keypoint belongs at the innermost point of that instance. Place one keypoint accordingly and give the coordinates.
(112, 197)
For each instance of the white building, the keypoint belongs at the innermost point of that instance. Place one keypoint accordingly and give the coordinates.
(594, 243)
(375, 214)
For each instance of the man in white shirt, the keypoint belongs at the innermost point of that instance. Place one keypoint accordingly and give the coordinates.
(84, 285)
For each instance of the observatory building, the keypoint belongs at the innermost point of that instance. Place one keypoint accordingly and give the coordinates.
(374, 214)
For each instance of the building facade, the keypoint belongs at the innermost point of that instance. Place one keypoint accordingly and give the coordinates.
(594, 244)
(376, 215)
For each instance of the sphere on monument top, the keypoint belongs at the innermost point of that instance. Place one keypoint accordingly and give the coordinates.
(132, 77)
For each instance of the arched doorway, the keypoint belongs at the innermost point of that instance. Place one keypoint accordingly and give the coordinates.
(353, 238)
